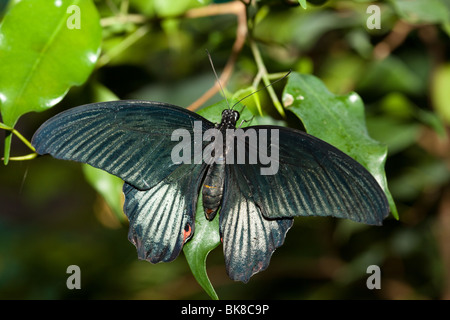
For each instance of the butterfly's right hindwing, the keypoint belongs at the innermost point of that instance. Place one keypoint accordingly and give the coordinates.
(162, 218)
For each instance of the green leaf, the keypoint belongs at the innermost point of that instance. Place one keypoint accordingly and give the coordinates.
(206, 238)
(391, 74)
(398, 105)
(302, 3)
(419, 11)
(396, 134)
(108, 186)
(102, 93)
(206, 233)
(214, 112)
(440, 92)
(173, 8)
(338, 120)
(254, 103)
(43, 54)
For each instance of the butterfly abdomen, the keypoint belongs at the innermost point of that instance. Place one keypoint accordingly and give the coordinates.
(213, 189)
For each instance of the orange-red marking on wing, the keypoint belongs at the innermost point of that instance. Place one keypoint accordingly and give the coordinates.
(186, 233)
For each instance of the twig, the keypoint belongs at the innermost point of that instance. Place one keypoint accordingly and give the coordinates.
(24, 140)
(236, 8)
(126, 43)
(124, 18)
(265, 78)
(393, 40)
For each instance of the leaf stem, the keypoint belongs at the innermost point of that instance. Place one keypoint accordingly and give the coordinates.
(122, 46)
(22, 138)
(275, 76)
(124, 18)
(265, 77)
(23, 158)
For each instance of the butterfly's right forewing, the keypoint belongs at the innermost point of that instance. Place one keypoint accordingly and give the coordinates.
(129, 139)
(133, 140)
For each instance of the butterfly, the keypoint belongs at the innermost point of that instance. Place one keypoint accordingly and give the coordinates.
(135, 141)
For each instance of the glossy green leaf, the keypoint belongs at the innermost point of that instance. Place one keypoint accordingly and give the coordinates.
(302, 3)
(206, 233)
(338, 120)
(206, 238)
(45, 48)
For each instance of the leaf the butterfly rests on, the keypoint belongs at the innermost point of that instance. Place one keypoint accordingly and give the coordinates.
(132, 139)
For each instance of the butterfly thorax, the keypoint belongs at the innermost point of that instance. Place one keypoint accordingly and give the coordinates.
(214, 180)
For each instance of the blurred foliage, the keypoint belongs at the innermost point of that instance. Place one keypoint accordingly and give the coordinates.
(52, 217)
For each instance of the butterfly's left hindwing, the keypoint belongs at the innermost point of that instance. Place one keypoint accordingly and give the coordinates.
(312, 178)
(249, 239)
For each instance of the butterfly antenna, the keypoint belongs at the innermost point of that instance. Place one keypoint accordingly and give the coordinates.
(270, 84)
(217, 78)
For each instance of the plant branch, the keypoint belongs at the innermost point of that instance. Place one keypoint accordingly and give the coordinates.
(265, 78)
(123, 18)
(236, 8)
(393, 40)
(126, 43)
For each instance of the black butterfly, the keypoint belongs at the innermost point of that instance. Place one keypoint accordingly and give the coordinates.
(133, 140)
